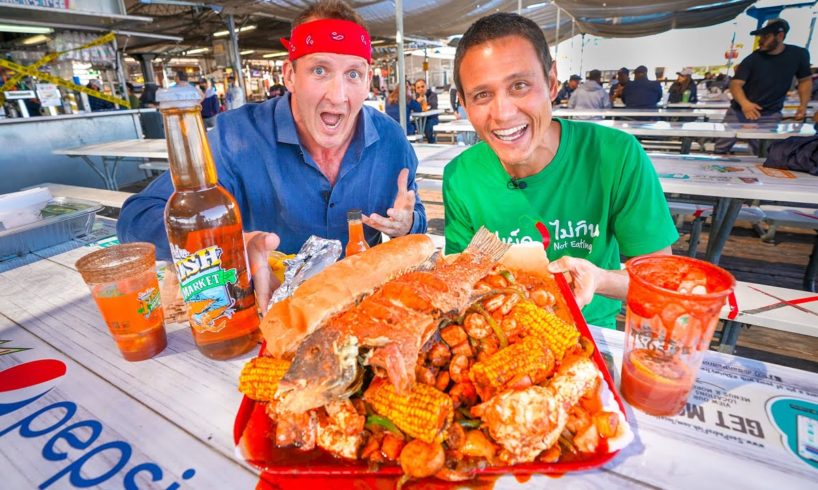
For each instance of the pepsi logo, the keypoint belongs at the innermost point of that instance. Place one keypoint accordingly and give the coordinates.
(22, 383)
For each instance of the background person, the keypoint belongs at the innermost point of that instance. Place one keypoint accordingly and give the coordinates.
(393, 107)
(641, 93)
(590, 95)
(762, 80)
(427, 98)
(567, 89)
(684, 84)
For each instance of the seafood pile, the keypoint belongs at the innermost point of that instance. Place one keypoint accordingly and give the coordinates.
(459, 364)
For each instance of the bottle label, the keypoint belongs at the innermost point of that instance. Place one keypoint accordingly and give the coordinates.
(204, 281)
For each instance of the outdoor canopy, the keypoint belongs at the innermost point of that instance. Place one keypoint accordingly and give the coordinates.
(442, 18)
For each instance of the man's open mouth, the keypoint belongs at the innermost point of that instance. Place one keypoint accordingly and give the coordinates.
(510, 134)
(331, 119)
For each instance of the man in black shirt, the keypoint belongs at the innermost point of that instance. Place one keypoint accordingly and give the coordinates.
(763, 78)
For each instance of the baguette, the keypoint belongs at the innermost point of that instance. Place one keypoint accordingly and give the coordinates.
(337, 287)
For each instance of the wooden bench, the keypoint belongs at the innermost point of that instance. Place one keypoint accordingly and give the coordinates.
(807, 218)
(787, 310)
(111, 199)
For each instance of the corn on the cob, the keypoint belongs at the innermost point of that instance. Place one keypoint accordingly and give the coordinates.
(424, 412)
(531, 358)
(558, 335)
(259, 377)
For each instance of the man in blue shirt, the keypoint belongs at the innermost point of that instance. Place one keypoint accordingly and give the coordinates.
(296, 164)
(641, 93)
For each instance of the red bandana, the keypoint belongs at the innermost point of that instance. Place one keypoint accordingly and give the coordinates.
(329, 36)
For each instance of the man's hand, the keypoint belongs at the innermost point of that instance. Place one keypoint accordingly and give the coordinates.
(585, 277)
(401, 214)
(800, 113)
(259, 245)
(751, 110)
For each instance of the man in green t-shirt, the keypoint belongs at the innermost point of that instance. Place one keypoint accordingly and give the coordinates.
(593, 187)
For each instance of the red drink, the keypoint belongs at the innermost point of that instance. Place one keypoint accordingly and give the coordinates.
(673, 309)
(655, 384)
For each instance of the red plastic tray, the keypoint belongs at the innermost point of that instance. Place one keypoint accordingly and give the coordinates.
(291, 468)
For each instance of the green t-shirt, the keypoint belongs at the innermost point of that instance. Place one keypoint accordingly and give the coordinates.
(598, 197)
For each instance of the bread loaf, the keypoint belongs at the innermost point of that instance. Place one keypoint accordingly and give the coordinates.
(337, 287)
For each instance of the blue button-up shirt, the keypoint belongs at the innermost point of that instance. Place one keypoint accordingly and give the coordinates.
(277, 184)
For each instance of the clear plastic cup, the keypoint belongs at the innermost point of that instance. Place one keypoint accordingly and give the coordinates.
(673, 308)
(123, 282)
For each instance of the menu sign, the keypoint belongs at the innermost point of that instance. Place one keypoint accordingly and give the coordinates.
(49, 95)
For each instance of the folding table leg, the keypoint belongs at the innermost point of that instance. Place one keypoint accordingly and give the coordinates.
(729, 336)
(812, 268)
(723, 220)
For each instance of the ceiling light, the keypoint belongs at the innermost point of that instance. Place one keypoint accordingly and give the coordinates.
(275, 55)
(35, 39)
(25, 29)
(247, 51)
(227, 33)
(197, 51)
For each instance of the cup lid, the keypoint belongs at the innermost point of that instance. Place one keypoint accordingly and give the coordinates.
(178, 96)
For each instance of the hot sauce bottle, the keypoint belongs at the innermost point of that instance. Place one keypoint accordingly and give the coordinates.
(357, 241)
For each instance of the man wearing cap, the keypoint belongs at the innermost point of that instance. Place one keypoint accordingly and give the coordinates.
(684, 88)
(763, 78)
(565, 92)
(95, 103)
(623, 76)
(641, 93)
(590, 95)
(297, 163)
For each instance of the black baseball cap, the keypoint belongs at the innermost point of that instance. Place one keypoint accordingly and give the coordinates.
(623, 70)
(641, 69)
(576, 77)
(773, 26)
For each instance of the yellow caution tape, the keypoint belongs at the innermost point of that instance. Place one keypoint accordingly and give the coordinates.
(49, 57)
(27, 70)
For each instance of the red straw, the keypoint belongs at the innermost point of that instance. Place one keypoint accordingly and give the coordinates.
(546, 236)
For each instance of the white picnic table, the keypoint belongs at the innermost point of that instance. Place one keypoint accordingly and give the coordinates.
(686, 131)
(113, 152)
(169, 420)
(422, 117)
(658, 113)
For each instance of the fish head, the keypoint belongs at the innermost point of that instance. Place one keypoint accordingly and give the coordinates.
(324, 369)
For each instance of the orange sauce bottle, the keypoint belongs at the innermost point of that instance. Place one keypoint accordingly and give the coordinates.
(204, 229)
(357, 241)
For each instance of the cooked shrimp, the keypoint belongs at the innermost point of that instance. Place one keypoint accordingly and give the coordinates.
(459, 368)
(587, 440)
(494, 302)
(542, 297)
(496, 281)
(463, 349)
(425, 375)
(420, 459)
(476, 326)
(511, 300)
(439, 355)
